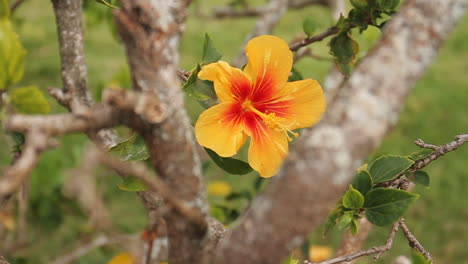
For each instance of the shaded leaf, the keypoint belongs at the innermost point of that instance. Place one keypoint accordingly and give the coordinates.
(386, 4)
(131, 149)
(344, 49)
(210, 53)
(11, 56)
(202, 90)
(239, 195)
(362, 182)
(353, 199)
(309, 26)
(295, 75)
(29, 100)
(385, 206)
(133, 184)
(331, 220)
(388, 167)
(346, 219)
(229, 165)
(421, 177)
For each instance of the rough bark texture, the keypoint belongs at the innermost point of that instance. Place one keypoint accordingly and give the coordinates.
(324, 159)
(68, 15)
(151, 32)
(264, 26)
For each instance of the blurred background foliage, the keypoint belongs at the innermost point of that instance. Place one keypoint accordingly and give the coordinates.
(435, 111)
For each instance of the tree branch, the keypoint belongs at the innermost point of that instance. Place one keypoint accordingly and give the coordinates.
(309, 40)
(68, 15)
(323, 160)
(377, 251)
(151, 32)
(414, 243)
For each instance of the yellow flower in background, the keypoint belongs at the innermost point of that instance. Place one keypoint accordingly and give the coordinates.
(123, 258)
(219, 188)
(319, 253)
(259, 103)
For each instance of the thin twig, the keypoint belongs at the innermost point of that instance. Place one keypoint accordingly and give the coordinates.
(413, 241)
(309, 40)
(439, 151)
(377, 251)
(155, 183)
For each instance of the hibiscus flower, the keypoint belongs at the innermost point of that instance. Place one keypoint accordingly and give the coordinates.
(259, 103)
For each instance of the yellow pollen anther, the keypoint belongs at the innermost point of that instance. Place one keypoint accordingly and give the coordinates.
(272, 121)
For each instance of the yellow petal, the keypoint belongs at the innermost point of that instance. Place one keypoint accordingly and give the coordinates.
(219, 188)
(267, 151)
(306, 103)
(269, 61)
(220, 128)
(225, 78)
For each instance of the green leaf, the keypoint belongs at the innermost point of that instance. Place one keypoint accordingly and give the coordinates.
(295, 75)
(418, 258)
(203, 91)
(344, 49)
(346, 219)
(239, 195)
(386, 4)
(362, 182)
(421, 177)
(133, 184)
(353, 199)
(309, 26)
(131, 149)
(388, 167)
(354, 227)
(29, 100)
(385, 206)
(210, 53)
(107, 3)
(420, 154)
(229, 165)
(11, 55)
(4, 9)
(331, 220)
(361, 4)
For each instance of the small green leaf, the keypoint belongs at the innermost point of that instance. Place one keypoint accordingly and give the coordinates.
(386, 4)
(385, 206)
(29, 100)
(421, 177)
(107, 3)
(354, 227)
(133, 184)
(229, 165)
(11, 56)
(420, 154)
(4, 9)
(362, 182)
(331, 220)
(344, 49)
(210, 53)
(131, 149)
(309, 26)
(345, 220)
(361, 4)
(203, 91)
(239, 195)
(353, 199)
(295, 75)
(388, 167)
(418, 258)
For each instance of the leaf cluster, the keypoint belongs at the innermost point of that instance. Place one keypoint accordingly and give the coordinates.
(369, 193)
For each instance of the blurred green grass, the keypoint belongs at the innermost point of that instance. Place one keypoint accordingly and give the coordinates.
(435, 111)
